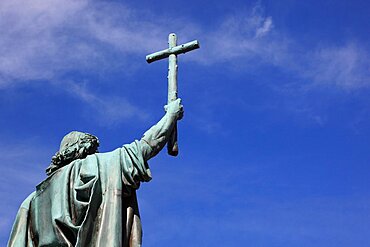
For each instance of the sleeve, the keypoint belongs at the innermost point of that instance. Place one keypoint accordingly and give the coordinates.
(135, 168)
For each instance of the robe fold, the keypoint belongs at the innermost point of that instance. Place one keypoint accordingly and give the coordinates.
(90, 202)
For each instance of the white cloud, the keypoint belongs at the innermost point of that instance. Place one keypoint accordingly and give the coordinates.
(250, 39)
(22, 166)
(49, 40)
(26, 154)
(265, 28)
(239, 37)
(346, 67)
(43, 40)
(110, 110)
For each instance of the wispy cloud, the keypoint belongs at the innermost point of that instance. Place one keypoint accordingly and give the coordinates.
(49, 40)
(42, 40)
(109, 110)
(22, 168)
(346, 67)
(26, 154)
(250, 38)
(265, 28)
(45, 40)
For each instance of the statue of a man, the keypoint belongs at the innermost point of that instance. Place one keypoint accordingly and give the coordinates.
(89, 198)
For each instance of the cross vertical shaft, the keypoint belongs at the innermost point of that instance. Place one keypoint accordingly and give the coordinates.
(172, 70)
(172, 145)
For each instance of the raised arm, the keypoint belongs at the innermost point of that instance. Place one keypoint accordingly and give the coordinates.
(157, 136)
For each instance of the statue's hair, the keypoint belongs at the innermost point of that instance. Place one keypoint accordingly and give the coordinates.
(75, 145)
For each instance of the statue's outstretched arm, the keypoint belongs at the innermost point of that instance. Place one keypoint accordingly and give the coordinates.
(157, 136)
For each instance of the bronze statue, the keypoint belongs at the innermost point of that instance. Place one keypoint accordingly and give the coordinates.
(89, 198)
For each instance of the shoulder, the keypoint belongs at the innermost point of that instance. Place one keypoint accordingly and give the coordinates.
(26, 203)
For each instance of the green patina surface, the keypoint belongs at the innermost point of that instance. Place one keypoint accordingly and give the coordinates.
(90, 202)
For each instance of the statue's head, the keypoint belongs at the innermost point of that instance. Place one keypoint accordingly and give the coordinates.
(75, 145)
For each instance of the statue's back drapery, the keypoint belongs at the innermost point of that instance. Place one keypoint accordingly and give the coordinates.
(90, 202)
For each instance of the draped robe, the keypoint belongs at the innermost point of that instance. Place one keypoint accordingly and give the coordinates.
(90, 202)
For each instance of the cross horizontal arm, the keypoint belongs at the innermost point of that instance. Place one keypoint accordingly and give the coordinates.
(175, 50)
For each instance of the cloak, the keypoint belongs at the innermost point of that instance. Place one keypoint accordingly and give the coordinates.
(90, 202)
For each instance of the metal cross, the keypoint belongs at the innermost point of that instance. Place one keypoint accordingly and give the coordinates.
(172, 52)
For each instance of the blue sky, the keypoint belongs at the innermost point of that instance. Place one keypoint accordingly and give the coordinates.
(274, 144)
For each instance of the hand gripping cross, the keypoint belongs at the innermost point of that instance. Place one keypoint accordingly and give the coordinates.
(172, 52)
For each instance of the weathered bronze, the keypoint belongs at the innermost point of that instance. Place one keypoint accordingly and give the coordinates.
(89, 198)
